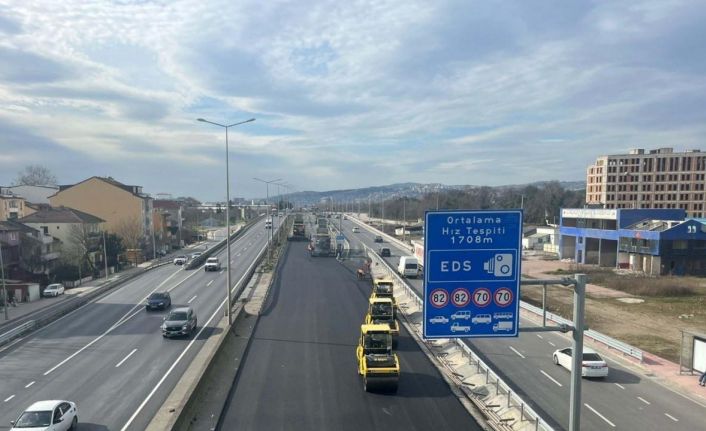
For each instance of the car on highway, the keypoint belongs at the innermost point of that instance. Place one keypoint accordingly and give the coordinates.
(195, 255)
(592, 365)
(384, 252)
(212, 264)
(355, 229)
(378, 238)
(439, 319)
(180, 321)
(51, 415)
(55, 289)
(158, 301)
(180, 260)
(457, 327)
(461, 315)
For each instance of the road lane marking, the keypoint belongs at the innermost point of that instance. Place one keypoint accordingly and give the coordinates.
(209, 283)
(551, 378)
(552, 344)
(539, 336)
(221, 272)
(237, 255)
(192, 299)
(186, 349)
(599, 415)
(518, 353)
(125, 358)
(671, 417)
(644, 400)
(29, 384)
(619, 385)
(9, 398)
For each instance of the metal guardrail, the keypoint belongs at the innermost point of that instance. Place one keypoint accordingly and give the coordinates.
(597, 336)
(526, 412)
(16, 332)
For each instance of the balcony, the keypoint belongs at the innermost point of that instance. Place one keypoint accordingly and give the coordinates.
(50, 256)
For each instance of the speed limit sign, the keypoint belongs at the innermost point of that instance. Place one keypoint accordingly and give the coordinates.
(481, 297)
(503, 297)
(439, 298)
(460, 297)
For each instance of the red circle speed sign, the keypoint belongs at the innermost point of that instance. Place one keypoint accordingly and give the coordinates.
(438, 298)
(460, 297)
(482, 297)
(503, 297)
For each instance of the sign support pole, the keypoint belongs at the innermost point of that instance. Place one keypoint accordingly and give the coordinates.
(577, 353)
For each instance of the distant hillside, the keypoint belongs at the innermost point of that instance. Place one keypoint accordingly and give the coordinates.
(411, 190)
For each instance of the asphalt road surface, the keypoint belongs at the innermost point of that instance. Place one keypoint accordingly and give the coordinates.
(299, 372)
(626, 400)
(109, 356)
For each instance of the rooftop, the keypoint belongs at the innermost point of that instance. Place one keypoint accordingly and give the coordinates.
(60, 215)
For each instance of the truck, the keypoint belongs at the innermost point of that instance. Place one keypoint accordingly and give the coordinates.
(505, 325)
(321, 245)
(298, 231)
(418, 250)
(212, 264)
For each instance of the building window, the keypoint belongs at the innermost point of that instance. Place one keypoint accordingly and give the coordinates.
(45, 229)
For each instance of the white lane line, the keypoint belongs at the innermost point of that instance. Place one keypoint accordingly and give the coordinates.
(189, 302)
(550, 378)
(671, 417)
(221, 272)
(619, 385)
(599, 415)
(518, 353)
(539, 336)
(237, 255)
(125, 358)
(552, 344)
(209, 283)
(29, 384)
(644, 400)
(198, 335)
(9, 398)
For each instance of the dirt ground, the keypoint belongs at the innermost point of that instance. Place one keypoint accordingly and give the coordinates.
(652, 324)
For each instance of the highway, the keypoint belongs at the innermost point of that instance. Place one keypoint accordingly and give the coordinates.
(625, 400)
(299, 372)
(109, 356)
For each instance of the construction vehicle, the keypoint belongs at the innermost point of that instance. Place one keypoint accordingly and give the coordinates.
(321, 245)
(383, 288)
(382, 311)
(377, 364)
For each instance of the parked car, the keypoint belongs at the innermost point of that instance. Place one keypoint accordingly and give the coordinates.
(55, 289)
(52, 415)
(384, 252)
(180, 260)
(180, 321)
(378, 238)
(439, 319)
(592, 365)
(158, 301)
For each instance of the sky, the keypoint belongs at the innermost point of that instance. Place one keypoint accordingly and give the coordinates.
(345, 94)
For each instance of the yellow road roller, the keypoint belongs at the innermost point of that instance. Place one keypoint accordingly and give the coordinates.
(377, 364)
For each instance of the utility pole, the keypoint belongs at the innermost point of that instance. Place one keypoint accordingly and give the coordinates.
(105, 256)
(4, 287)
(404, 217)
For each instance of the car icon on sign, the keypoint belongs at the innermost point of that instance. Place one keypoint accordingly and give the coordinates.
(481, 318)
(438, 319)
(457, 327)
(461, 315)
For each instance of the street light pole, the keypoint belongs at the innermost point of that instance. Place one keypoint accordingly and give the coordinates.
(4, 287)
(105, 256)
(269, 238)
(228, 286)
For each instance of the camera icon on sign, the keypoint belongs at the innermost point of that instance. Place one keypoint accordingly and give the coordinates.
(500, 265)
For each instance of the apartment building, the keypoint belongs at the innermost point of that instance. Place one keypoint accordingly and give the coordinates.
(32, 194)
(62, 223)
(12, 206)
(110, 200)
(659, 179)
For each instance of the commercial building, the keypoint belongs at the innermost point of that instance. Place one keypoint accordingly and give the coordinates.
(653, 241)
(660, 179)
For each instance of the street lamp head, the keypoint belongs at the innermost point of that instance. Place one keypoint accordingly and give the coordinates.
(201, 119)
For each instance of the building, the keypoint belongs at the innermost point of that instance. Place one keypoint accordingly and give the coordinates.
(32, 194)
(653, 241)
(64, 224)
(167, 224)
(29, 250)
(122, 207)
(660, 179)
(12, 206)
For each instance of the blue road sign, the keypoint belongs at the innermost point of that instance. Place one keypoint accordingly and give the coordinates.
(472, 273)
(340, 237)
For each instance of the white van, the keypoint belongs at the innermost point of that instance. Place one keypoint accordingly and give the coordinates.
(408, 266)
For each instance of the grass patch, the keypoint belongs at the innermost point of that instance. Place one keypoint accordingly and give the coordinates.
(662, 347)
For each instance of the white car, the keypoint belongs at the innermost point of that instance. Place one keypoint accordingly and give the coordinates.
(465, 315)
(592, 363)
(55, 289)
(457, 327)
(438, 319)
(52, 415)
(180, 260)
(355, 230)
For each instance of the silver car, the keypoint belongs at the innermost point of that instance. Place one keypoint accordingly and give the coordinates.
(51, 415)
(55, 289)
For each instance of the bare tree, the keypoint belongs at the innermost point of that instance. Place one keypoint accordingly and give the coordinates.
(84, 240)
(129, 230)
(35, 175)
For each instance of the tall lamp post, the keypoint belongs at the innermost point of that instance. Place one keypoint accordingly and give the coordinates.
(228, 286)
(4, 288)
(269, 238)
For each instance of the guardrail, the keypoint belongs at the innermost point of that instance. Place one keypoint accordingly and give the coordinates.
(526, 411)
(597, 336)
(16, 332)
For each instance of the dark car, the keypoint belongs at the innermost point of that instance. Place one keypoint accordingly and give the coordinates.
(159, 301)
(384, 252)
(378, 238)
(180, 321)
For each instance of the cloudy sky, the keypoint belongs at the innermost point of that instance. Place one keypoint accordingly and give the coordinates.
(345, 93)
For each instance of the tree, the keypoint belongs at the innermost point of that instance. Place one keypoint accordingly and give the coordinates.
(113, 248)
(35, 175)
(129, 230)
